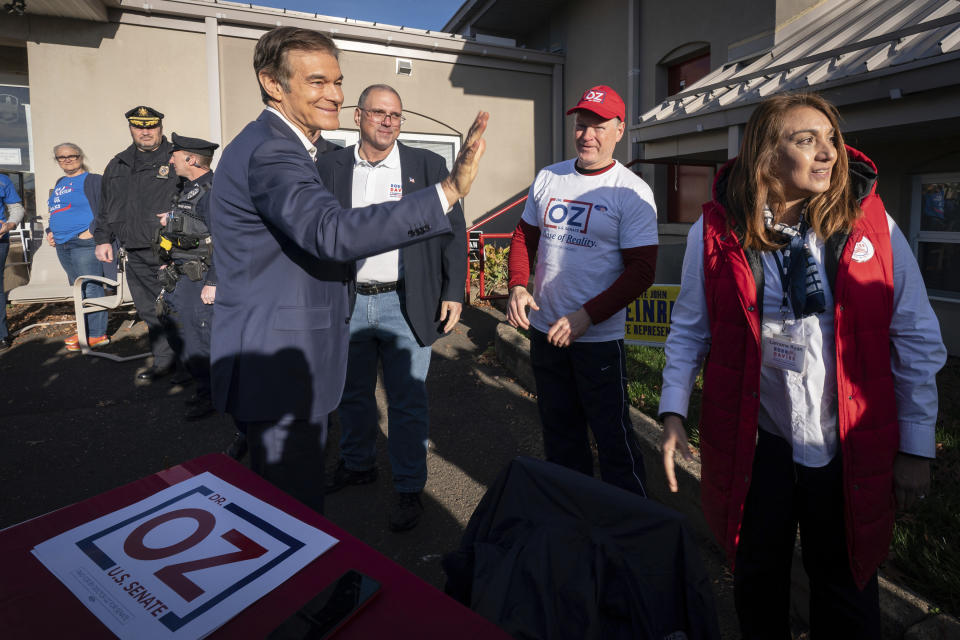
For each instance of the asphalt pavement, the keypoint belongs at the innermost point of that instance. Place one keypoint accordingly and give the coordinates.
(75, 426)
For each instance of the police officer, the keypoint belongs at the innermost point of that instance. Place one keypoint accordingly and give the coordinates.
(187, 276)
(138, 184)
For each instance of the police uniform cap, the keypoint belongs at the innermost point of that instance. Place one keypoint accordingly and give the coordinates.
(144, 117)
(198, 146)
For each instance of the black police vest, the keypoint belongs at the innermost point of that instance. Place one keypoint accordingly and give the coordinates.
(186, 237)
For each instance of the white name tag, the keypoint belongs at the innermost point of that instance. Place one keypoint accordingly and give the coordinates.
(783, 353)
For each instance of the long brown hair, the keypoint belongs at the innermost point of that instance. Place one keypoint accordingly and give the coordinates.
(753, 181)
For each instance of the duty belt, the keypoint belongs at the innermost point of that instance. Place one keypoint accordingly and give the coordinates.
(373, 288)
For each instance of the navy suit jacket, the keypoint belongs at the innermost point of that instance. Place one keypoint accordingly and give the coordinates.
(281, 316)
(434, 270)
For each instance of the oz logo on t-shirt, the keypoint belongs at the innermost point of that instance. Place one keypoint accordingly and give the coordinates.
(567, 215)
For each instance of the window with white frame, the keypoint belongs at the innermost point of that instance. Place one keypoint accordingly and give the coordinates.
(342, 137)
(935, 230)
(446, 146)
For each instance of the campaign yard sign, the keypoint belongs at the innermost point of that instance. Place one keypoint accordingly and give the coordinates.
(182, 562)
(648, 317)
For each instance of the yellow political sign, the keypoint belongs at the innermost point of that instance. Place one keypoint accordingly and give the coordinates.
(648, 317)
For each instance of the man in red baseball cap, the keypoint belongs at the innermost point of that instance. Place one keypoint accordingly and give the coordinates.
(592, 225)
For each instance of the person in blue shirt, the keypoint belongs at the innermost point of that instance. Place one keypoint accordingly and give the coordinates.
(11, 213)
(72, 205)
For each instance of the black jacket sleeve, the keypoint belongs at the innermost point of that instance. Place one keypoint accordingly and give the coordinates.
(203, 209)
(91, 189)
(102, 233)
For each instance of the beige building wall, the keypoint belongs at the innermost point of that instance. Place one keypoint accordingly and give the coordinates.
(79, 92)
(595, 40)
(598, 40)
(84, 75)
(518, 138)
(239, 94)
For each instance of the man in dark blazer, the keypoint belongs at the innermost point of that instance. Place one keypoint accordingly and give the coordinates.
(281, 315)
(405, 299)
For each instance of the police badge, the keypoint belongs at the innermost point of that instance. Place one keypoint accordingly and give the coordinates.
(163, 171)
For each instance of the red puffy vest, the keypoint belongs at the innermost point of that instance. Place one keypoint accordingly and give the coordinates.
(869, 430)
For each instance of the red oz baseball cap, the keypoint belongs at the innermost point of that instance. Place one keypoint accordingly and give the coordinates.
(603, 101)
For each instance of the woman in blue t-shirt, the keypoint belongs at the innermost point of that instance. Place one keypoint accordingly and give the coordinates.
(72, 204)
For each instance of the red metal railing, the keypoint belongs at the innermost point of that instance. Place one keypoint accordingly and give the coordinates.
(476, 250)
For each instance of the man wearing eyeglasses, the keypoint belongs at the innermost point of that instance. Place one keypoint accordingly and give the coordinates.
(138, 184)
(405, 299)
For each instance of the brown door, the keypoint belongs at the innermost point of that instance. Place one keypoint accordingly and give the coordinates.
(688, 186)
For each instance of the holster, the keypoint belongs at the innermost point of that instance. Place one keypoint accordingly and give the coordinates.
(168, 277)
(194, 269)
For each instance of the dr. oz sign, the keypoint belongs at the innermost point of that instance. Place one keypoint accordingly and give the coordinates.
(182, 562)
(648, 317)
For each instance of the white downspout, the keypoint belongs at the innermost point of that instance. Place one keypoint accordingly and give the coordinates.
(213, 83)
(558, 112)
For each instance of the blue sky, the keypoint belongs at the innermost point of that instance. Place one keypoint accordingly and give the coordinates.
(422, 14)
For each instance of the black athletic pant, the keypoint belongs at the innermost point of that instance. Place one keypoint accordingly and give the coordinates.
(580, 385)
(783, 494)
(142, 268)
(289, 454)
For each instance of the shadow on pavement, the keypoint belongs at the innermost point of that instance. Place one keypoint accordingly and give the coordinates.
(480, 419)
(74, 426)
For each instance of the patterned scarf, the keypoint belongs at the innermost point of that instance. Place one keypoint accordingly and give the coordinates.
(806, 290)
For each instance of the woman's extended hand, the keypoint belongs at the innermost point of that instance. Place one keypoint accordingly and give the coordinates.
(911, 479)
(674, 441)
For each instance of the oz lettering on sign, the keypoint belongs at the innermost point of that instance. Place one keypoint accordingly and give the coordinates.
(173, 575)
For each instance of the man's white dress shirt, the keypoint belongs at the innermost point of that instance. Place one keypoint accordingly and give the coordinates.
(372, 184)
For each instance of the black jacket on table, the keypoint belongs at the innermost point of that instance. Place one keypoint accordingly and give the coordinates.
(434, 270)
(629, 567)
(137, 185)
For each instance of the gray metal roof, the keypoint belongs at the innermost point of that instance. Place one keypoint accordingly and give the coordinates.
(839, 42)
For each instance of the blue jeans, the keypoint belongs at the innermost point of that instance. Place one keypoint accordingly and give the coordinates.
(77, 259)
(379, 331)
(4, 248)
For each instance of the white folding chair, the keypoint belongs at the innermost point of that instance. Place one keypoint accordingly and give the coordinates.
(83, 306)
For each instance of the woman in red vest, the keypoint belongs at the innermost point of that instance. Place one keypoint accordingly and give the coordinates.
(821, 349)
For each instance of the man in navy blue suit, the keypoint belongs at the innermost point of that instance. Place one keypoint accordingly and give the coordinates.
(406, 299)
(282, 316)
